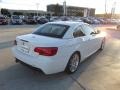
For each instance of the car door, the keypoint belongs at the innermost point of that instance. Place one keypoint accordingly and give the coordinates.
(82, 42)
(92, 42)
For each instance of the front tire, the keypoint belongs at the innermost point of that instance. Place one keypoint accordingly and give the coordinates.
(102, 44)
(118, 27)
(73, 63)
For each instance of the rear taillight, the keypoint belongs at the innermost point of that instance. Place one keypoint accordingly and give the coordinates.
(15, 42)
(46, 51)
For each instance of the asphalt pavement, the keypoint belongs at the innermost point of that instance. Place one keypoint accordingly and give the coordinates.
(9, 32)
(101, 71)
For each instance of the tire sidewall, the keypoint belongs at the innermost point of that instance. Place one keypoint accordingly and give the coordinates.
(68, 65)
(102, 44)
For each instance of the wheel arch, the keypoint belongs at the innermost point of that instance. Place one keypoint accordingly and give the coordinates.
(78, 52)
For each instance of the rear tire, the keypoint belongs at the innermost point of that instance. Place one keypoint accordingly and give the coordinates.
(17, 60)
(73, 63)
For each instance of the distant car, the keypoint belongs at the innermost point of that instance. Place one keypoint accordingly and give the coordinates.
(58, 46)
(78, 20)
(31, 20)
(113, 21)
(15, 19)
(52, 19)
(65, 18)
(95, 21)
(36, 17)
(102, 21)
(87, 20)
(24, 19)
(118, 27)
(42, 20)
(3, 20)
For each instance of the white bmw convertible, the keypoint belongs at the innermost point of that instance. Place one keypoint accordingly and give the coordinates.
(58, 46)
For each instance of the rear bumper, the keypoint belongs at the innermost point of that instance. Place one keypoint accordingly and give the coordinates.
(29, 66)
(47, 65)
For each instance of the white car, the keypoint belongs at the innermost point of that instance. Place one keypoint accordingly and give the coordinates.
(58, 46)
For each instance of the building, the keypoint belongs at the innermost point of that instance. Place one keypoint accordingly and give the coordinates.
(58, 10)
(26, 12)
(29, 12)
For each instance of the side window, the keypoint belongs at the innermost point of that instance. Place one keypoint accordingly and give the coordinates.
(87, 29)
(78, 32)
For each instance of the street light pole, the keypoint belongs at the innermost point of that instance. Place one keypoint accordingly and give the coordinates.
(37, 6)
(0, 7)
(105, 6)
(64, 8)
(113, 9)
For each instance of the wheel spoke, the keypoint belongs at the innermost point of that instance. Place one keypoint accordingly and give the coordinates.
(74, 63)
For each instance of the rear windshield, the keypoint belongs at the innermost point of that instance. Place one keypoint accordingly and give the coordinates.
(52, 30)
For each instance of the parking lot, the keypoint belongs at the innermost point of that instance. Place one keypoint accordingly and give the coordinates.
(100, 71)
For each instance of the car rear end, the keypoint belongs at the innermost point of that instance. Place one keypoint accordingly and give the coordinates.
(42, 20)
(16, 20)
(50, 59)
(43, 52)
(3, 20)
(31, 20)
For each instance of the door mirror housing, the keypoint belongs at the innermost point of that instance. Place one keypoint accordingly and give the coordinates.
(95, 32)
(98, 31)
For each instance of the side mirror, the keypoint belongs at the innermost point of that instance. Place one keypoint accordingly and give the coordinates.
(93, 33)
(98, 31)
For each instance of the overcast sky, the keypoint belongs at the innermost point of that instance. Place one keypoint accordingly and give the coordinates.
(99, 5)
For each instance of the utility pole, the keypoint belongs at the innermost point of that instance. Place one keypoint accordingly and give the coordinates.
(105, 6)
(0, 7)
(64, 9)
(113, 9)
(37, 6)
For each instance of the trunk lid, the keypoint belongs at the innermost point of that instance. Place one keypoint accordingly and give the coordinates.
(27, 43)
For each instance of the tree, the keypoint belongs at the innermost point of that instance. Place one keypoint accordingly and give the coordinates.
(17, 13)
(5, 12)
